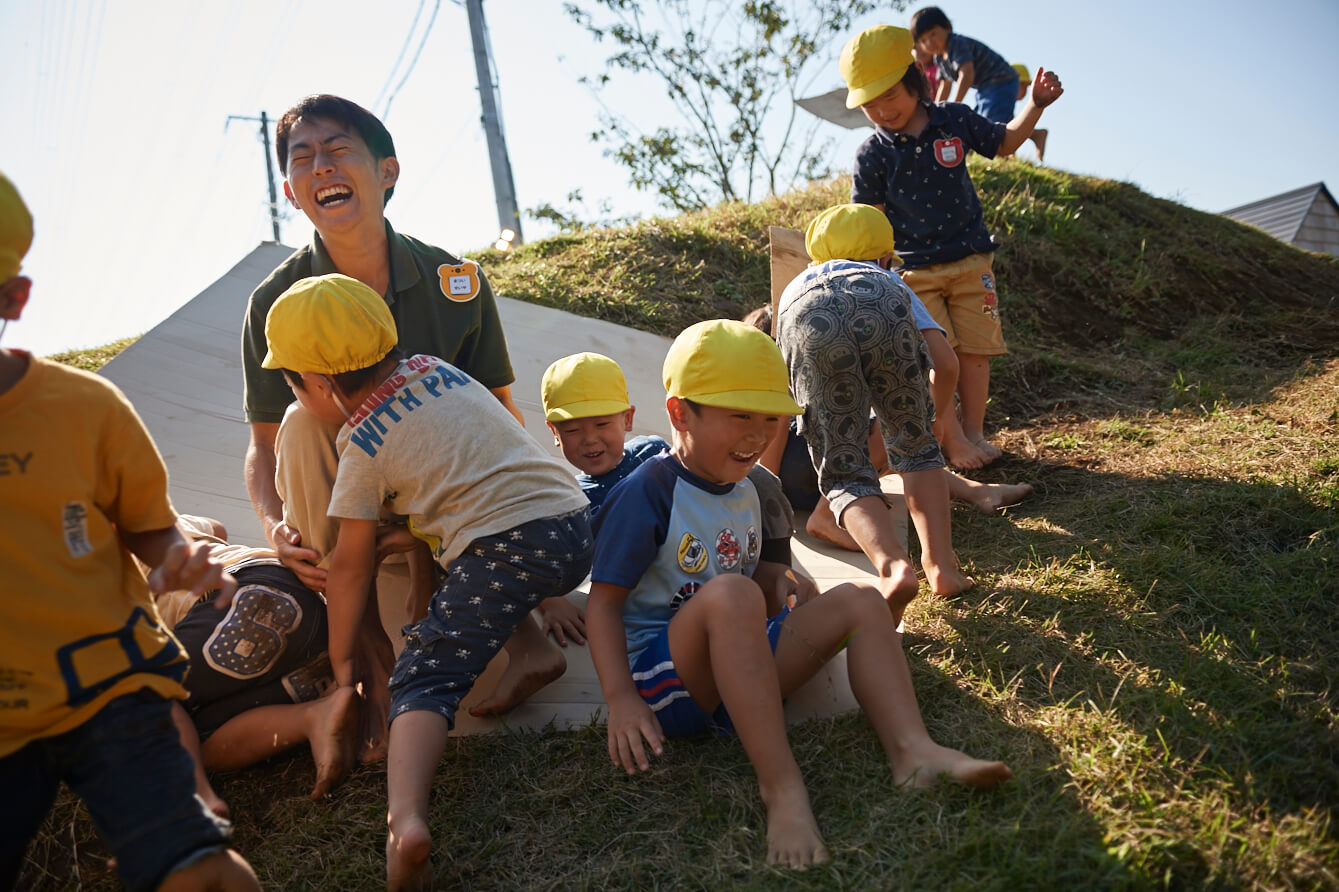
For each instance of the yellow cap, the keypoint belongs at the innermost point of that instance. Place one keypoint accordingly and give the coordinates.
(16, 229)
(1023, 76)
(328, 325)
(873, 61)
(729, 364)
(583, 385)
(849, 232)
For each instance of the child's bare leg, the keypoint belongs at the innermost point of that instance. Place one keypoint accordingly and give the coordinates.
(720, 650)
(190, 741)
(880, 680)
(986, 497)
(329, 724)
(869, 523)
(533, 660)
(927, 502)
(973, 390)
(1039, 140)
(417, 740)
(822, 524)
(226, 871)
(960, 451)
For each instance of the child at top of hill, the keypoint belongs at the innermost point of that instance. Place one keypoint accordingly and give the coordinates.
(679, 633)
(505, 521)
(585, 399)
(963, 64)
(88, 673)
(914, 169)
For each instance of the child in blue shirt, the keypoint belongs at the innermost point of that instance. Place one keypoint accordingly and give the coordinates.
(966, 63)
(913, 168)
(679, 632)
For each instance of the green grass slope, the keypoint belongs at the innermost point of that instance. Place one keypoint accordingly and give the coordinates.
(1151, 645)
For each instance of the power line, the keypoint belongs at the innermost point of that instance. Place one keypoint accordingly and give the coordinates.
(435, 7)
(390, 76)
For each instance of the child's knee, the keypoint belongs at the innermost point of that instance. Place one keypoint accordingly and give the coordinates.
(732, 597)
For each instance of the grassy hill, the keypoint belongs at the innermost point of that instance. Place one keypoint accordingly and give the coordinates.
(1151, 646)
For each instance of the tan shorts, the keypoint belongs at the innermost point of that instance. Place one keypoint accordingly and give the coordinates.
(961, 297)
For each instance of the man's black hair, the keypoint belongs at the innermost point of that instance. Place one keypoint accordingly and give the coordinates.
(929, 17)
(343, 112)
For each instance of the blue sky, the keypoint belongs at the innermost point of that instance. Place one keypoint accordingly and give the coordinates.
(114, 116)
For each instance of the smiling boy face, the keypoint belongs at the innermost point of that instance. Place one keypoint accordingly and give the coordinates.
(593, 445)
(333, 176)
(717, 444)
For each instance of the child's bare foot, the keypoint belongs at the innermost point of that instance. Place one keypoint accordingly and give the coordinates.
(332, 731)
(408, 848)
(991, 451)
(924, 767)
(793, 839)
(1039, 140)
(963, 453)
(823, 526)
(526, 672)
(947, 581)
(991, 497)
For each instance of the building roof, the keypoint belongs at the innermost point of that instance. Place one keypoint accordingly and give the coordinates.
(1282, 215)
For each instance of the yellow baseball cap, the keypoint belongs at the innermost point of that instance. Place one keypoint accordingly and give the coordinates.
(873, 61)
(729, 364)
(1023, 76)
(849, 232)
(583, 385)
(328, 325)
(16, 229)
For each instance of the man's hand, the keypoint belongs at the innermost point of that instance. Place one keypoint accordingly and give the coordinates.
(302, 561)
(563, 620)
(190, 566)
(631, 721)
(1046, 88)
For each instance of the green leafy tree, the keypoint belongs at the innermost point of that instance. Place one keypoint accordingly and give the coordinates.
(732, 71)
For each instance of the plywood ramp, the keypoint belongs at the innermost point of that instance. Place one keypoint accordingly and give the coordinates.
(185, 379)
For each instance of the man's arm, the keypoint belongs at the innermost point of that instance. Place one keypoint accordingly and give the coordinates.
(966, 77)
(1046, 88)
(259, 468)
(503, 395)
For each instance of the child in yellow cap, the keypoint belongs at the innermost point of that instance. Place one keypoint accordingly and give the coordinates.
(914, 169)
(504, 520)
(585, 399)
(90, 672)
(679, 632)
(852, 342)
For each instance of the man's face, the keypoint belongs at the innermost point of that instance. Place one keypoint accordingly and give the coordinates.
(332, 176)
(934, 41)
(721, 445)
(593, 445)
(892, 109)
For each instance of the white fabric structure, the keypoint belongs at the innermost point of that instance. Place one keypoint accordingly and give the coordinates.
(185, 379)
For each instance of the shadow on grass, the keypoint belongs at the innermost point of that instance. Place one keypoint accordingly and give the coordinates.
(1198, 614)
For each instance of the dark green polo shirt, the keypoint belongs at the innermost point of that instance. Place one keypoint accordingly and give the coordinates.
(438, 308)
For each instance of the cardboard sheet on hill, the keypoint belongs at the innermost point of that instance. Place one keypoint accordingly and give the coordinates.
(185, 379)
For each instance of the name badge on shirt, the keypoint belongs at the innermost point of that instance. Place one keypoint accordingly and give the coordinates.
(948, 152)
(459, 283)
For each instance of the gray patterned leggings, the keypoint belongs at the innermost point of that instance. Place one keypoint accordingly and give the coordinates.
(852, 345)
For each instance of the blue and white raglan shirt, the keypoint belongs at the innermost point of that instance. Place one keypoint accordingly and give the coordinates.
(635, 451)
(663, 533)
(924, 187)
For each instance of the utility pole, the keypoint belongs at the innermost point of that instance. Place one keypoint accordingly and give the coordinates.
(509, 216)
(264, 120)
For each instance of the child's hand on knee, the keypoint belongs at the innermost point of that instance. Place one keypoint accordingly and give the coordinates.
(563, 620)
